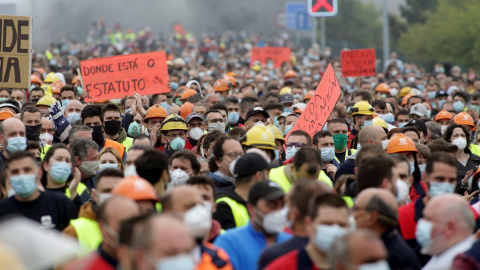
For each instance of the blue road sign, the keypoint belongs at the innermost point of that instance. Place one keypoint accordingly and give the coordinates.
(296, 16)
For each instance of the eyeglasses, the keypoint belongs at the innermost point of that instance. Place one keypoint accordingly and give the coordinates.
(173, 136)
(220, 120)
(297, 145)
(233, 155)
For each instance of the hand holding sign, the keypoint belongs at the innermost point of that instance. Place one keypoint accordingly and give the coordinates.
(320, 106)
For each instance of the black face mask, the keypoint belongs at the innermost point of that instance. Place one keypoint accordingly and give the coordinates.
(113, 127)
(33, 132)
(97, 135)
(34, 101)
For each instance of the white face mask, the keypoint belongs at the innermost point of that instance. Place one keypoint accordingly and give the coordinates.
(177, 262)
(198, 220)
(460, 142)
(402, 191)
(380, 265)
(179, 177)
(274, 222)
(196, 133)
(102, 197)
(130, 171)
(46, 138)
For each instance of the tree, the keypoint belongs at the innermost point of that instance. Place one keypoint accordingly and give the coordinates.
(415, 11)
(448, 35)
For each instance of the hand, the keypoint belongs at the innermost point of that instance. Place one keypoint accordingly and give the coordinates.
(139, 103)
(56, 110)
(74, 183)
(468, 197)
(133, 108)
(467, 176)
(331, 169)
(153, 133)
(473, 113)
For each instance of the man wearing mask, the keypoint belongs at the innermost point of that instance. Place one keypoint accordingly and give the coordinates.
(67, 94)
(376, 209)
(51, 210)
(324, 142)
(233, 107)
(12, 136)
(183, 165)
(36, 94)
(445, 230)
(153, 121)
(112, 122)
(327, 219)
(174, 134)
(224, 112)
(362, 115)
(109, 221)
(222, 88)
(267, 218)
(225, 151)
(92, 118)
(196, 129)
(197, 217)
(339, 130)
(214, 121)
(85, 153)
(297, 203)
(256, 116)
(32, 120)
(72, 111)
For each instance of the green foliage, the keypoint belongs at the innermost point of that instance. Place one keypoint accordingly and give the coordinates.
(397, 27)
(417, 11)
(448, 35)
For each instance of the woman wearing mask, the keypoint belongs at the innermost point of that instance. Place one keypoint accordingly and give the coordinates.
(467, 162)
(109, 158)
(58, 175)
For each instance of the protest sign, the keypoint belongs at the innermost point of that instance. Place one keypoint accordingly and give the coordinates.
(119, 76)
(278, 55)
(320, 106)
(15, 51)
(357, 63)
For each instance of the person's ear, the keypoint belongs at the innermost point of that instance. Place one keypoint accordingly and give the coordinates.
(77, 161)
(218, 162)
(46, 166)
(309, 226)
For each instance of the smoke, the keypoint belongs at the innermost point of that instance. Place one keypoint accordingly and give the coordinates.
(55, 18)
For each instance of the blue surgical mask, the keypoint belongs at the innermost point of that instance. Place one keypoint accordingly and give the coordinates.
(423, 233)
(422, 167)
(440, 104)
(325, 235)
(178, 262)
(104, 166)
(367, 123)
(60, 171)
(431, 95)
(412, 167)
(389, 118)
(177, 144)
(134, 129)
(327, 154)
(384, 144)
(401, 125)
(79, 90)
(458, 106)
(437, 189)
(291, 152)
(287, 129)
(73, 117)
(24, 184)
(476, 108)
(233, 117)
(173, 86)
(420, 87)
(277, 155)
(65, 102)
(15, 144)
(380, 265)
(3, 99)
(287, 110)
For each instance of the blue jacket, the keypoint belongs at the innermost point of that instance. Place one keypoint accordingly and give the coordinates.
(244, 245)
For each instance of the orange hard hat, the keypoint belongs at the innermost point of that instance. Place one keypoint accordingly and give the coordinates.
(35, 79)
(155, 111)
(56, 87)
(188, 93)
(186, 109)
(309, 95)
(443, 115)
(180, 90)
(383, 87)
(221, 85)
(290, 74)
(75, 80)
(5, 115)
(231, 74)
(400, 143)
(464, 118)
(405, 99)
(136, 188)
(232, 81)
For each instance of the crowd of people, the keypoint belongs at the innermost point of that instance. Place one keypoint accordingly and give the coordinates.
(205, 177)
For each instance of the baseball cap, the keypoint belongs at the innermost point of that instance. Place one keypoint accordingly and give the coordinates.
(419, 109)
(255, 111)
(418, 124)
(193, 115)
(249, 164)
(286, 98)
(441, 93)
(267, 190)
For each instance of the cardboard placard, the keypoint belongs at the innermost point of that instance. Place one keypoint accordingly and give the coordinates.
(320, 106)
(278, 55)
(15, 51)
(119, 76)
(357, 63)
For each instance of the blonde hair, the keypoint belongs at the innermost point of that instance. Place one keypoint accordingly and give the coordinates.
(114, 152)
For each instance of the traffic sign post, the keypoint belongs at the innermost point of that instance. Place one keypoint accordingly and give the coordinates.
(322, 8)
(296, 16)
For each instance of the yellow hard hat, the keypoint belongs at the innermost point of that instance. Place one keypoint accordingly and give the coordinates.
(260, 137)
(285, 90)
(172, 122)
(404, 91)
(380, 122)
(51, 77)
(47, 89)
(361, 108)
(277, 133)
(46, 101)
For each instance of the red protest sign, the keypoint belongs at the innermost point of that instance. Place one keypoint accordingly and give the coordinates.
(320, 105)
(357, 63)
(120, 76)
(278, 55)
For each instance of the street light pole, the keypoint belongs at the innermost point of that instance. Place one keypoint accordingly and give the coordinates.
(386, 34)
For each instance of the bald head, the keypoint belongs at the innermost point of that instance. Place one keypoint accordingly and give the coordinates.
(450, 207)
(383, 194)
(181, 199)
(46, 123)
(12, 127)
(249, 93)
(170, 237)
(370, 135)
(109, 211)
(378, 204)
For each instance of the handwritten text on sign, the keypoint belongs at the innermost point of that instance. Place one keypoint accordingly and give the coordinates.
(320, 106)
(356, 63)
(15, 51)
(278, 55)
(119, 76)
